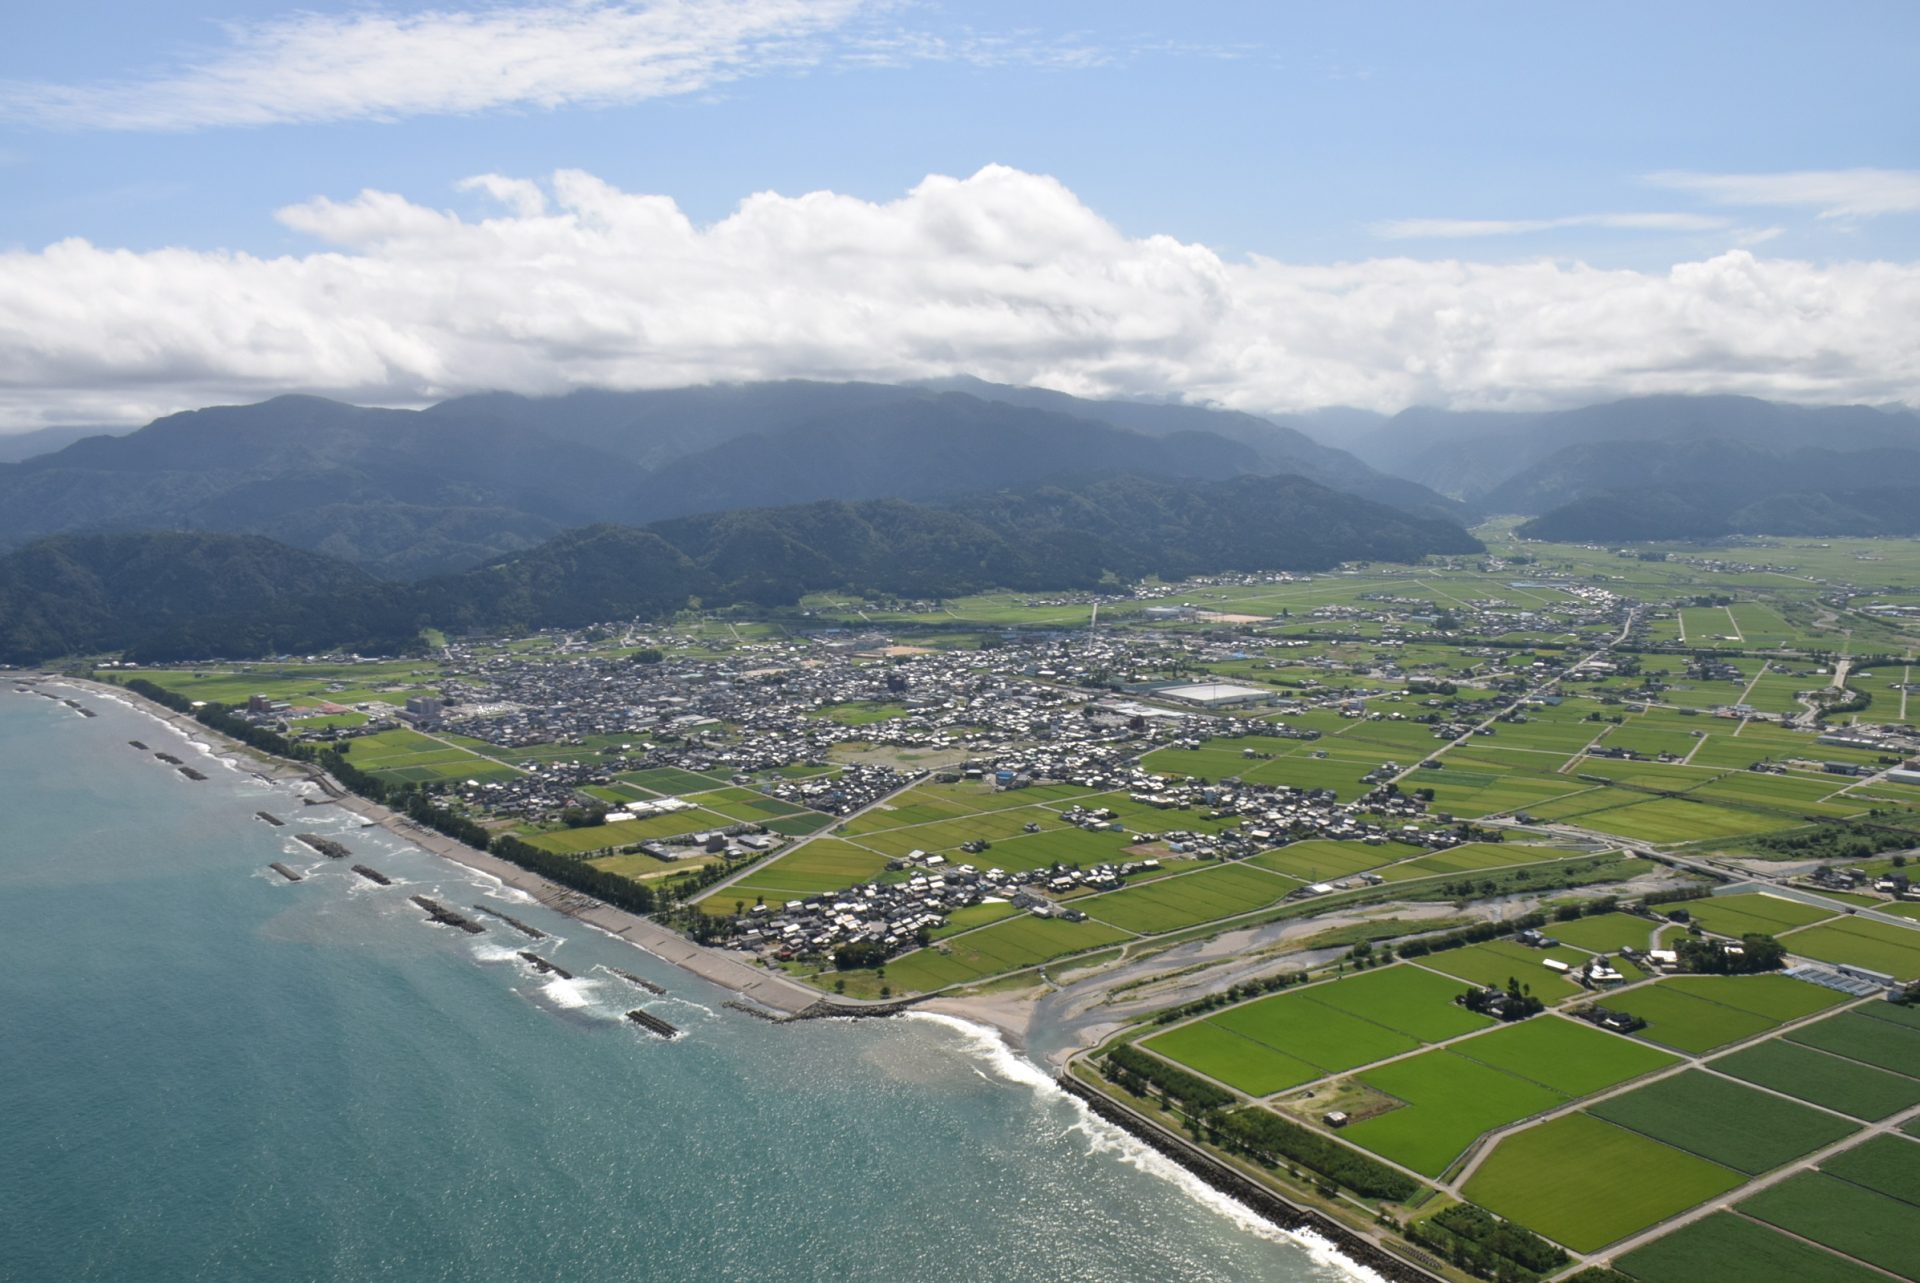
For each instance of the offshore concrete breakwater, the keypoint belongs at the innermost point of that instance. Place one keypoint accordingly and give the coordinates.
(757, 985)
(1355, 1247)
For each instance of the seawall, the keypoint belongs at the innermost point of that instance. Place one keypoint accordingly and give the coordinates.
(1243, 1189)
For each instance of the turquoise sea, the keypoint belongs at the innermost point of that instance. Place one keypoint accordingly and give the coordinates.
(209, 1073)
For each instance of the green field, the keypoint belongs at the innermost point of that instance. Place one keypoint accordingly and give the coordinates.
(1172, 903)
(1415, 1002)
(1564, 1056)
(1232, 1058)
(1703, 1013)
(1753, 914)
(1885, 1164)
(1739, 1127)
(1495, 962)
(1448, 1101)
(1604, 933)
(1865, 1225)
(1725, 1248)
(408, 757)
(1006, 946)
(1860, 1090)
(1862, 942)
(1861, 1037)
(1586, 1183)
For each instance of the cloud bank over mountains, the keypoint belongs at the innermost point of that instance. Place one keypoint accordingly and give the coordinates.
(1006, 275)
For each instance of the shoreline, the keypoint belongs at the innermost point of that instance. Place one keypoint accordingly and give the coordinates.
(1006, 1019)
(775, 992)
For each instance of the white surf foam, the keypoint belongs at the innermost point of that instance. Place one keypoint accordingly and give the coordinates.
(1104, 1138)
(571, 994)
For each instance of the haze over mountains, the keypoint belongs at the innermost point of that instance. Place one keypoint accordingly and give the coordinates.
(302, 522)
(409, 493)
(1658, 467)
(182, 595)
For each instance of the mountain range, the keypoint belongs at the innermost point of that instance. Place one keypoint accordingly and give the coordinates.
(1665, 467)
(416, 493)
(173, 595)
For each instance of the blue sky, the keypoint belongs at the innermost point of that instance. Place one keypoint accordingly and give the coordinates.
(1629, 138)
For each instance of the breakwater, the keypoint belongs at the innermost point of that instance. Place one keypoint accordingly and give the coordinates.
(632, 979)
(190, 773)
(1245, 1190)
(446, 917)
(270, 818)
(284, 871)
(325, 846)
(544, 967)
(652, 1023)
(373, 875)
(532, 933)
(142, 747)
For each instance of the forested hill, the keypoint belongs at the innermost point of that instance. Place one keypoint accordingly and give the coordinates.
(1706, 489)
(409, 494)
(170, 596)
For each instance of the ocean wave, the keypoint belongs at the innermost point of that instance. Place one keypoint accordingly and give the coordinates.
(1103, 1138)
(571, 994)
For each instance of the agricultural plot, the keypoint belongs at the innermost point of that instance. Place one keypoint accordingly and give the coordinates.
(1007, 946)
(1753, 913)
(1724, 1122)
(1415, 1002)
(1862, 942)
(594, 837)
(1448, 1101)
(1673, 821)
(1685, 1022)
(1725, 1248)
(1884, 1164)
(1703, 1013)
(1565, 1056)
(1172, 903)
(1859, 1090)
(1604, 933)
(1319, 861)
(408, 757)
(1492, 964)
(823, 864)
(1471, 858)
(1866, 1225)
(1587, 1183)
(1860, 1037)
(1232, 1058)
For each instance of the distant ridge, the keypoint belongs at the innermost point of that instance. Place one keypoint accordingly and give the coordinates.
(413, 494)
(173, 596)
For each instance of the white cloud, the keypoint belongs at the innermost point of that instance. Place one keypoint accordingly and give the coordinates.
(1448, 228)
(1836, 193)
(1006, 275)
(373, 64)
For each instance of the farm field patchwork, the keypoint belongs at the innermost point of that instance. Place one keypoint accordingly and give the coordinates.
(1862, 942)
(1753, 913)
(1493, 963)
(1172, 903)
(1852, 1088)
(1885, 1164)
(1725, 1248)
(1860, 1037)
(1565, 1056)
(1724, 1122)
(1603, 933)
(1587, 1183)
(1448, 1102)
(1863, 1224)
